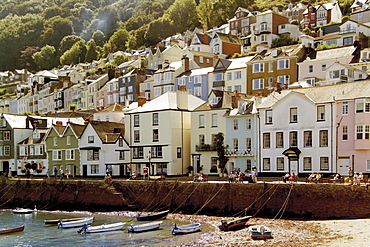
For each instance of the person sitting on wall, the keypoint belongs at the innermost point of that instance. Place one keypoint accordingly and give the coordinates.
(292, 177)
(312, 177)
(337, 177)
(286, 177)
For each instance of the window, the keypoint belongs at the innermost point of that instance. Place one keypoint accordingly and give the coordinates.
(229, 76)
(138, 152)
(362, 105)
(68, 140)
(55, 140)
(279, 139)
(266, 164)
(268, 119)
(155, 135)
(157, 152)
(201, 140)
(310, 69)
(200, 59)
(6, 136)
(57, 154)
(307, 164)
(266, 140)
(155, 118)
(258, 83)
(257, 67)
(324, 163)
(214, 161)
(307, 142)
(263, 38)
(323, 138)
(248, 143)
(70, 154)
(283, 79)
(7, 150)
(136, 121)
(271, 66)
(283, 64)
(235, 143)
(293, 138)
(345, 133)
(347, 41)
(237, 75)
(214, 120)
(136, 135)
(345, 108)
(293, 115)
(94, 169)
(323, 67)
(178, 153)
(218, 77)
(280, 164)
(248, 165)
(93, 154)
(198, 91)
(362, 132)
(201, 121)
(214, 139)
(238, 88)
(121, 155)
(270, 82)
(248, 124)
(235, 124)
(320, 113)
(90, 139)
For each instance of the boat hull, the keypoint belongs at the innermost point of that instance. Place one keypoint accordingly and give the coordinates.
(12, 230)
(105, 228)
(55, 222)
(260, 232)
(234, 224)
(186, 229)
(144, 227)
(153, 216)
(22, 211)
(76, 223)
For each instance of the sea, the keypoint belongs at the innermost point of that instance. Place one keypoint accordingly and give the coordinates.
(36, 233)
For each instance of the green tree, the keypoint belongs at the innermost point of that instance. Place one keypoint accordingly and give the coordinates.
(159, 29)
(67, 42)
(46, 57)
(119, 59)
(99, 38)
(55, 29)
(91, 53)
(117, 41)
(220, 148)
(75, 55)
(205, 13)
(183, 14)
(55, 11)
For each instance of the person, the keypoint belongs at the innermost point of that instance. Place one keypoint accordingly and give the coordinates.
(200, 177)
(106, 178)
(312, 177)
(133, 175)
(286, 177)
(110, 170)
(55, 172)
(61, 173)
(107, 171)
(292, 177)
(231, 177)
(10, 172)
(67, 173)
(48, 173)
(254, 175)
(350, 175)
(355, 180)
(31, 173)
(360, 178)
(337, 177)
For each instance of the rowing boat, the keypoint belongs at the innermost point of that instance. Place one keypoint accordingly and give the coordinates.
(260, 232)
(75, 223)
(102, 228)
(235, 224)
(22, 211)
(153, 216)
(185, 229)
(12, 229)
(145, 227)
(55, 222)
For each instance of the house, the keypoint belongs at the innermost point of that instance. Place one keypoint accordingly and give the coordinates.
(236, 75)
(362, 16)
(359, 6)
(94, 86)
(168, 55)
(207, 121)
(295, 11)
(159, 133)
(278, 65)
(103, 146)
(241, 22)
(322, 15)
(313, 68)
(164, 77)
(101, 97)
(201, 42)
(350, 31)
(339, 73)
(224, 45)
(114, 113)
(199, 59)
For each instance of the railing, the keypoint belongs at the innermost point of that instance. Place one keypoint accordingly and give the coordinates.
(239, 152)
(262, 30)
(205, 147)
(347, 30)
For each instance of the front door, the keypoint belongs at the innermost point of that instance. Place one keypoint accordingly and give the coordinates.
(343, 164)
(84, 170)
(5, 167)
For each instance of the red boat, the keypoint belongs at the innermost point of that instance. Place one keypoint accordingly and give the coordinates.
(12, 229)
(234, 224)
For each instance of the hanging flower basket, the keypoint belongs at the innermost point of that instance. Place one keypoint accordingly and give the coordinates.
(23, 170)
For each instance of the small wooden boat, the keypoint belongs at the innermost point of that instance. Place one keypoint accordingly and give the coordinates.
(145, 227)
(23, 211)
(102, 228)
(260, 232)
(234, 224)
(185, 229)
(55, 222)
(12, 229)
(153, 216)
(75, 223)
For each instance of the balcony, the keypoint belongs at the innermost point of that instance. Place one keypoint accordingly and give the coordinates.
(262, 30)
(348, 30)
(239, 152)
(218, 83)
(205, 147)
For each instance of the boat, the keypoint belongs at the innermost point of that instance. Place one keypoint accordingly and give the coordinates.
(145, 227)
(260, 232)
(23, 211)
(12, 229)
(185, 229)
(75, 223)
(153, 216)
(235, 224)
(102, 228)
(55, 222)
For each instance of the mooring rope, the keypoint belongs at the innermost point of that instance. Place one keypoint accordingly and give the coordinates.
(186, 198)
(209, 200)
(283, 207)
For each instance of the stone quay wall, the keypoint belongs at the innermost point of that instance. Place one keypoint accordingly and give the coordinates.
(304, 201)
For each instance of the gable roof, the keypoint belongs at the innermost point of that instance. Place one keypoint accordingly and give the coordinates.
(332, 54)
(113, 108)
(16, 121)
(227, 100)
(108, 132)
(227, 38)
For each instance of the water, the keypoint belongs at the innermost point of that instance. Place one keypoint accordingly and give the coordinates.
(36, 233)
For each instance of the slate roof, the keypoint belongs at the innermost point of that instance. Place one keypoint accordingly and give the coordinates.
(108, 132)
(16, 121)
(77, 129)
(332, 53)
(228, 100)
(113, 108)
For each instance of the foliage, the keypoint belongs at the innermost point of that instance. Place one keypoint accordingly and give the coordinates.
(183, 15)
(91, 53)
(119, 59)
(325, 47)
(99, 38)
(220, 148)
(46, 57)
(67, 42)
(75, 55)
(158, 30)
(282, 41)
(117, 42)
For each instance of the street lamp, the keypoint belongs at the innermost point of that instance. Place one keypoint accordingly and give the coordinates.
(149, 158)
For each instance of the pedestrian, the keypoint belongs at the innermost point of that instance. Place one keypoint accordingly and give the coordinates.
(67, 173)
(350, 176)
(48, 173)
(107, 171)
(110, 170)
(10, 172)
(55, 172)
(61, 173)
(254, 175)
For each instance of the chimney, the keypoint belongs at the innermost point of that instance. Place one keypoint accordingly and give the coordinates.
(141, 100)
(181, 88)
(185, 63)
(205, 36)
(182, 98)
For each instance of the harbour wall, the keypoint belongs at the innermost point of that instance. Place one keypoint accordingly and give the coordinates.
(304, 201)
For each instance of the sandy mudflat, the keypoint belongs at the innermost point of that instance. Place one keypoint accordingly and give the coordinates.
(287, 233)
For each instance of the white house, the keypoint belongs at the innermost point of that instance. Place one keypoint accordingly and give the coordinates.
(339, 72)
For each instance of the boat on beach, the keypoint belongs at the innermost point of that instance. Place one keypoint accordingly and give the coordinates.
(260, 232)
(23, 211)
(11, 229)
(152, 216)
(102, 228)
(55, 222)
(145, 227)
(185, 229)
(75, 223)
(235, 224)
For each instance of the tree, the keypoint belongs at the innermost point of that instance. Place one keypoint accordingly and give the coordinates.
(118, 40)
(220, 148)
(205, 13)
(75, 55)
(26, 59)
(91, 53)
(119, 59)
(159, 29)
(46, 57)
(67, 42)
(99, 38)
(183, 14)
(55, 29)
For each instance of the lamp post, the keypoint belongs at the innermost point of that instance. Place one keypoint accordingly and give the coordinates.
(149, 158)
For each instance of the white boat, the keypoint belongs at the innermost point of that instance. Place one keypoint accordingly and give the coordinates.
(76, 223)
(185, 229)
(145, 227)
(260, 232)
(22, 211)
(102, 228)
